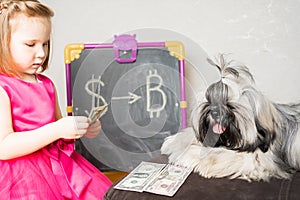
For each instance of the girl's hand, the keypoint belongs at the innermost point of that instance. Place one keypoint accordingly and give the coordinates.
(93, 129)
(72, 127)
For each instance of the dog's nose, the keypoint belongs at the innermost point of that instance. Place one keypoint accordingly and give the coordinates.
(215, 114)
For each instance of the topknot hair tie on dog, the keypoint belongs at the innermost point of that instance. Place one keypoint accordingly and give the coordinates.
(230, 68)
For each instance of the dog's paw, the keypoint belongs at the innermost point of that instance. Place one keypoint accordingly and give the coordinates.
(175, 145)
(220, 163)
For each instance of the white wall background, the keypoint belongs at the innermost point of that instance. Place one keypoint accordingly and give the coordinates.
(262, 34)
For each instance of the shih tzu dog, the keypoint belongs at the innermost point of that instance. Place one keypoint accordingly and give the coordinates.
(237, 132)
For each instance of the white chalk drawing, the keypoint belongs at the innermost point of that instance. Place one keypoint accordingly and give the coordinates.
(131, 97)
(155, 108)
(93, 88)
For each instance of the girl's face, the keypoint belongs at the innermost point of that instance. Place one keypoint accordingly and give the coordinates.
(29, 44)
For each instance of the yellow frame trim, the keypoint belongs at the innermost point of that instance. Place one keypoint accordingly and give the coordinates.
(69, 109)
(183, 104)
(176, 49)
(72, 52)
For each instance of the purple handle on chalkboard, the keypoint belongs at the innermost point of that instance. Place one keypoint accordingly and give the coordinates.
(124, 44)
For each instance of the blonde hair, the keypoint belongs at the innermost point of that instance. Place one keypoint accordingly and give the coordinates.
(8, 10)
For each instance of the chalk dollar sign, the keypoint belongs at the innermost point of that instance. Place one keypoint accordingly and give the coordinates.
(93, 88)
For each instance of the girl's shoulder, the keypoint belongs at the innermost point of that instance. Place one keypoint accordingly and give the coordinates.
(10, 83)
(4, 79)
(42, 77)
(45, 80)
(3, 76)
(5, 85)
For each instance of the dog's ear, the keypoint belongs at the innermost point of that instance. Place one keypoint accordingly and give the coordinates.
(264, 118)
(265, 137)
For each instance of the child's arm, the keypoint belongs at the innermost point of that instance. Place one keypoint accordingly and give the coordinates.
(16, 144)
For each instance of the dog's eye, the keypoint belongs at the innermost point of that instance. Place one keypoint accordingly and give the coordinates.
(231, 107)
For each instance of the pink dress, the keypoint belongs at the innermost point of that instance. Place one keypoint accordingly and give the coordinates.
(54, 172)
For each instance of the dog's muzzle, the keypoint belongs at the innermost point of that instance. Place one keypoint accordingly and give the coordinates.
(217, 116)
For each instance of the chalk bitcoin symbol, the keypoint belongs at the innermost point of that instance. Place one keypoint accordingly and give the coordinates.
(157, 88)
(93, 88)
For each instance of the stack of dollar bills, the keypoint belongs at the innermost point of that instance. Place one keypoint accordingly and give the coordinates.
(163, 179)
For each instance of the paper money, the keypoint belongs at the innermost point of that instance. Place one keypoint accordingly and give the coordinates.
(168, 181)
(155, 178)
(138, 179)
(96, 113)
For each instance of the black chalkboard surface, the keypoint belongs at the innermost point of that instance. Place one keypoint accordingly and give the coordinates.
(144, 104)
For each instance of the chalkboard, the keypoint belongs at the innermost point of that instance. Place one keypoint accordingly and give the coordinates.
(144, 104)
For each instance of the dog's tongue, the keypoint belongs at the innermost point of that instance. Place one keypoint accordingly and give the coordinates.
(218, 128)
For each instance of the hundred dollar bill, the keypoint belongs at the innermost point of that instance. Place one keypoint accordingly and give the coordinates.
(96, 113)
(168, 181)
(138, 179)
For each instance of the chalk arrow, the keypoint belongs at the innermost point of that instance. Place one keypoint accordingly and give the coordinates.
(131, 98)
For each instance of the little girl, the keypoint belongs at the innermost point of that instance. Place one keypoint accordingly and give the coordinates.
(37, 157)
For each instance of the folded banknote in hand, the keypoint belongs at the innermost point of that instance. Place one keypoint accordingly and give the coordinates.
(96, 113)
